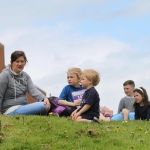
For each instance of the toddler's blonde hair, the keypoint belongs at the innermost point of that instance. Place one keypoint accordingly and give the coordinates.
(92, 75)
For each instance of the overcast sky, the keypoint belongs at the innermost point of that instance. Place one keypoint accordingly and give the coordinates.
(112, 37)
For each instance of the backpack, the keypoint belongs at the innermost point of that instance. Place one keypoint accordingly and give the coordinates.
(60, 109)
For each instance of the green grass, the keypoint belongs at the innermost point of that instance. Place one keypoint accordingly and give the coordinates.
(55, 133)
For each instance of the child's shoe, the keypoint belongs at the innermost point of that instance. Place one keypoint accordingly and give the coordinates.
(95, 119)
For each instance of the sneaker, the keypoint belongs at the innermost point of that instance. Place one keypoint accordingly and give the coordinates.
(95, 119)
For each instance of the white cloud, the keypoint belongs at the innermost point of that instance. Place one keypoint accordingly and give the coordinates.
(19, 13)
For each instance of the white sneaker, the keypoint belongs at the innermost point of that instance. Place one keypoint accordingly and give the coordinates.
(95, 119)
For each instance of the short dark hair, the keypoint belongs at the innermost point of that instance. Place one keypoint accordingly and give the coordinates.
(129, 82)
(16, 54)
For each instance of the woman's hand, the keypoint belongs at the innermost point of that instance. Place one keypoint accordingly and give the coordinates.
(46, 102)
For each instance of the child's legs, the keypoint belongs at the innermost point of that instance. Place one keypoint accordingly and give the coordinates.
(36, 108)
(131, 115)
(80, 119)
(117, 117)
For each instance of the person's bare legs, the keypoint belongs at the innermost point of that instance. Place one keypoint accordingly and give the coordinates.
(80, 119)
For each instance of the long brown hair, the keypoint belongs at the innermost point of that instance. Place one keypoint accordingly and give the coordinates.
(144, 94)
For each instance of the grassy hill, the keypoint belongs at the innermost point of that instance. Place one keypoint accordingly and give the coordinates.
(55, 133)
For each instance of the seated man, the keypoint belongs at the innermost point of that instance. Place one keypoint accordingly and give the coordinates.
(125, 109)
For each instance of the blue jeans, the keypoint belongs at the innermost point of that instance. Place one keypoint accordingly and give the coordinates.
(37, 108)
(120, 116)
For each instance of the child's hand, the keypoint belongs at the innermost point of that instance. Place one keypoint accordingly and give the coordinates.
(125, 111)
(76, 115)
(73, 113)
(77, 102)
(46, 102)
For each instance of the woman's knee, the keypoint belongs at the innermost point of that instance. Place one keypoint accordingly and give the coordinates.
(40, 105)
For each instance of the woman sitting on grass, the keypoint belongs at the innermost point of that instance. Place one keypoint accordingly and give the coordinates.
(14, 83)
(142, 104)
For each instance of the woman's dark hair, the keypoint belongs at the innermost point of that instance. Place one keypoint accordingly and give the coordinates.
(144, 94)
(16, 54)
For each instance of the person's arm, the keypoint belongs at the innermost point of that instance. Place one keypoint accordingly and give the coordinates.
(81, 111)
(66, 103)
(3, 87)
(125, 113)
(33, 91)
(137, 117)
(121, 106)
(73, 113)
(148, 113)
(47, 103)
(64, 95)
